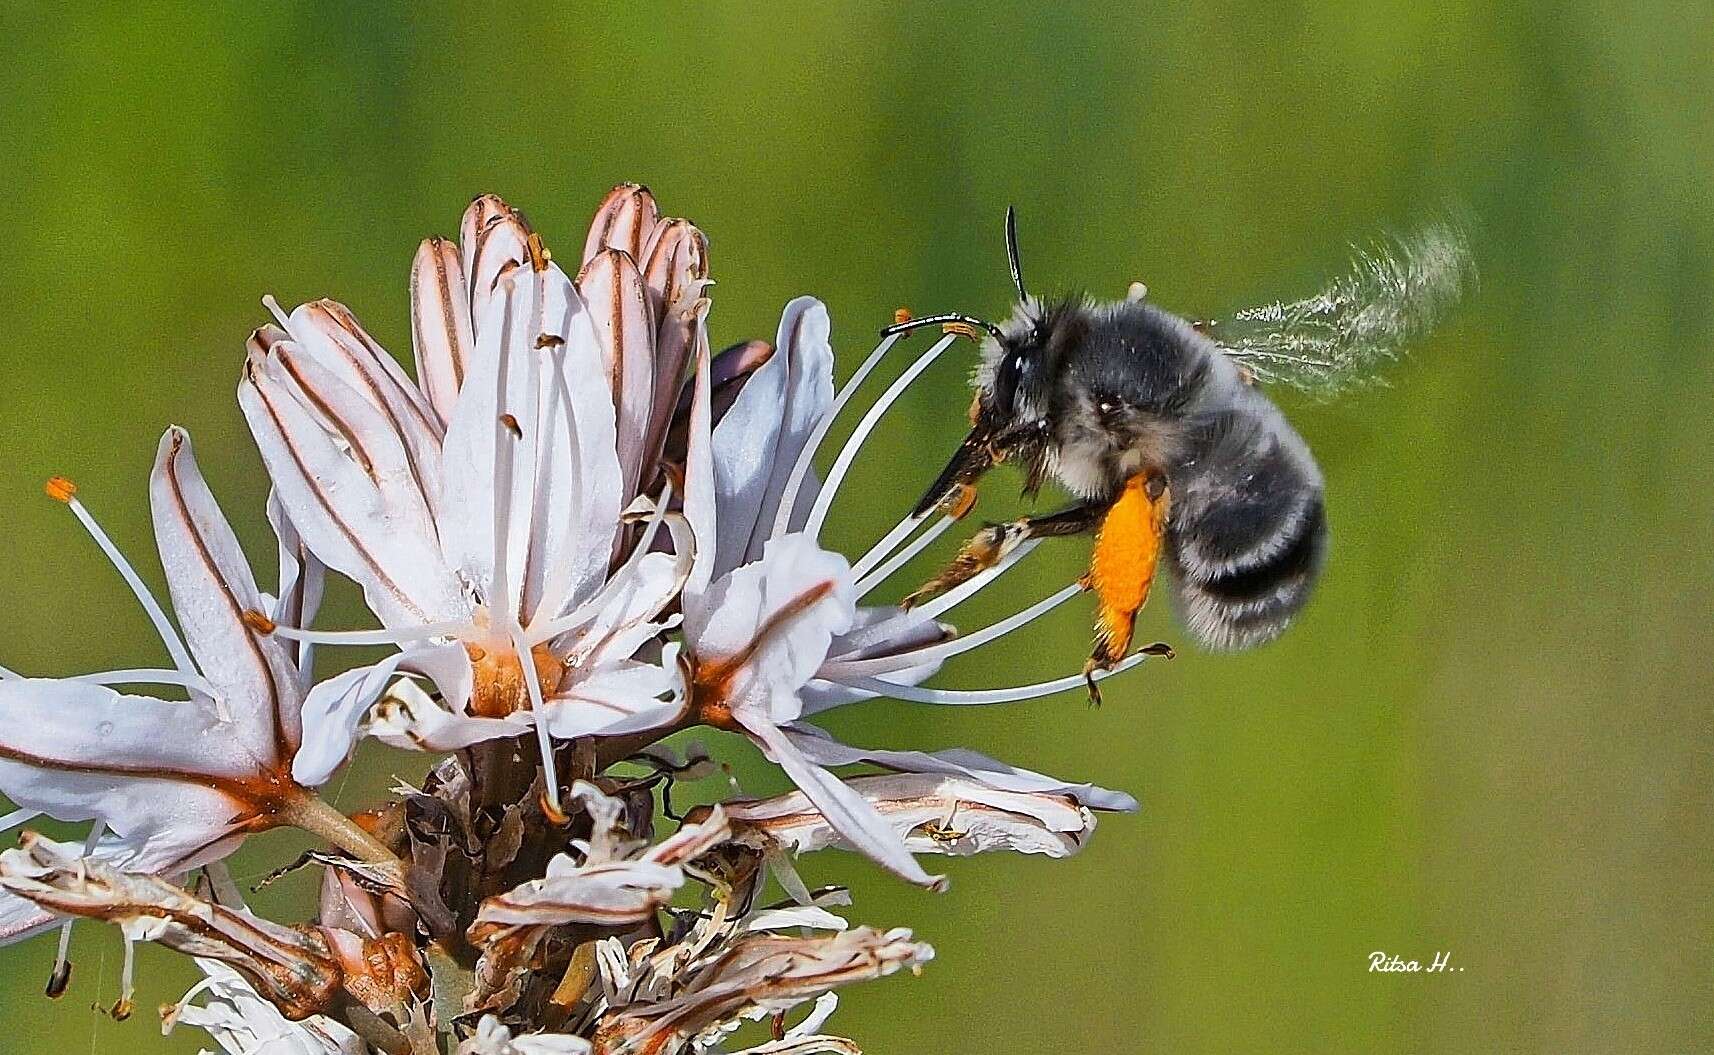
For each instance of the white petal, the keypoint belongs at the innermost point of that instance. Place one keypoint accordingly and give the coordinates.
(255, 676)
(675, 270)
(619, 308)
(329, 333)
(758, 440)
(620, 698)
(578, 483)
(361, 514)
(21, 918)
(496, 406)
(771, 623)
(849, 813)
(337, 707)
(442, 334)
(701, 499)
(494, 241)
(165, 777)
(821, 748)
(625, 220)
(302, 579)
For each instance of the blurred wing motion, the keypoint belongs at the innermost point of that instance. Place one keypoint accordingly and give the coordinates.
(1395, 292)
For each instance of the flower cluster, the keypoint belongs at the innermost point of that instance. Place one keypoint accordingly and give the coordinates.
(579, 531)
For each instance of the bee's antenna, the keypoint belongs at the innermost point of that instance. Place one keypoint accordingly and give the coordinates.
(949, 320)
(1012, 252)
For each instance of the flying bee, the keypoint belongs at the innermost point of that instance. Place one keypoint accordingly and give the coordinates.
(1158, 426)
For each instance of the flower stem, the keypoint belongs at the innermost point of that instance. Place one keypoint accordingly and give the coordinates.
(311, 813)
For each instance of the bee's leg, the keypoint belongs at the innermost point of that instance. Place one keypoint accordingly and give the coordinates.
(991, 545)
(1122, 569)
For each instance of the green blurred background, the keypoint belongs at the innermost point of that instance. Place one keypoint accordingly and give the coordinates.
(1490, 734)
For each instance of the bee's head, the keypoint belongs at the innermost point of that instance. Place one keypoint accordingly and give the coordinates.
(1009, 418)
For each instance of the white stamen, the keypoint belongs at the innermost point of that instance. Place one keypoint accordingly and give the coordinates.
(163, 626)
(979, 697)
(17, 817)
(889, 542)
(279, 313)
(63, 955)
(866, 582)
(839, 670)
(64, 952)
(148, 676)
(935, 608)
(451, 628)
(842, 464)
(128, 973)
(539, 712)
(794, 482)
(504, 454)
(588, 610)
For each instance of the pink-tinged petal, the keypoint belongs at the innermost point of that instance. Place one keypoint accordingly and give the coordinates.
(851, 815)
(932, 813)
(821, 748)
(619, 308)
(495, 241)
(625, 221)
(302, 579)
(344, 481)
(335, 709)
(758, 440)
(212, 588)
(169, 779)
(442, 334)
(21, 919)
(577, 481)
(328, 332)
(762, 631)
(701, 497)
(675, 272)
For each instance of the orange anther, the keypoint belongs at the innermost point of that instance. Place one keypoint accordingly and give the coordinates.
(539, 255)
(60, 489)
(901, 316)
(257, 622)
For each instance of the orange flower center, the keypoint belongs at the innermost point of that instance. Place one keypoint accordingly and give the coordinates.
(500, 687)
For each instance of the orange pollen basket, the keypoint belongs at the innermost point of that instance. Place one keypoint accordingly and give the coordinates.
(60, 489)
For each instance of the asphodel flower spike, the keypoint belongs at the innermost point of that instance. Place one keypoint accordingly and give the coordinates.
(173, 784)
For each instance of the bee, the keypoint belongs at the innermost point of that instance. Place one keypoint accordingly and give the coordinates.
(1161, 429)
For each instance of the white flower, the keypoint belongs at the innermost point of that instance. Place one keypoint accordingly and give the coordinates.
(243, 1023)
(773, 622)
(480, 511)
(493, 1037)
(176, 783)
(932, 814)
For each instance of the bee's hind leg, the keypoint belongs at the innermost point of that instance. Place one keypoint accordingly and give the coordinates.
(990, 546)
(1122, 571)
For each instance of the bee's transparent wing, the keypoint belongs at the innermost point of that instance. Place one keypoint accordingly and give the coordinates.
(1396, 291)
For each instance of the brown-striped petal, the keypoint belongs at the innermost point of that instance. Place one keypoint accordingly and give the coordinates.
(625, 220)
(494, 239)
(441, 332)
